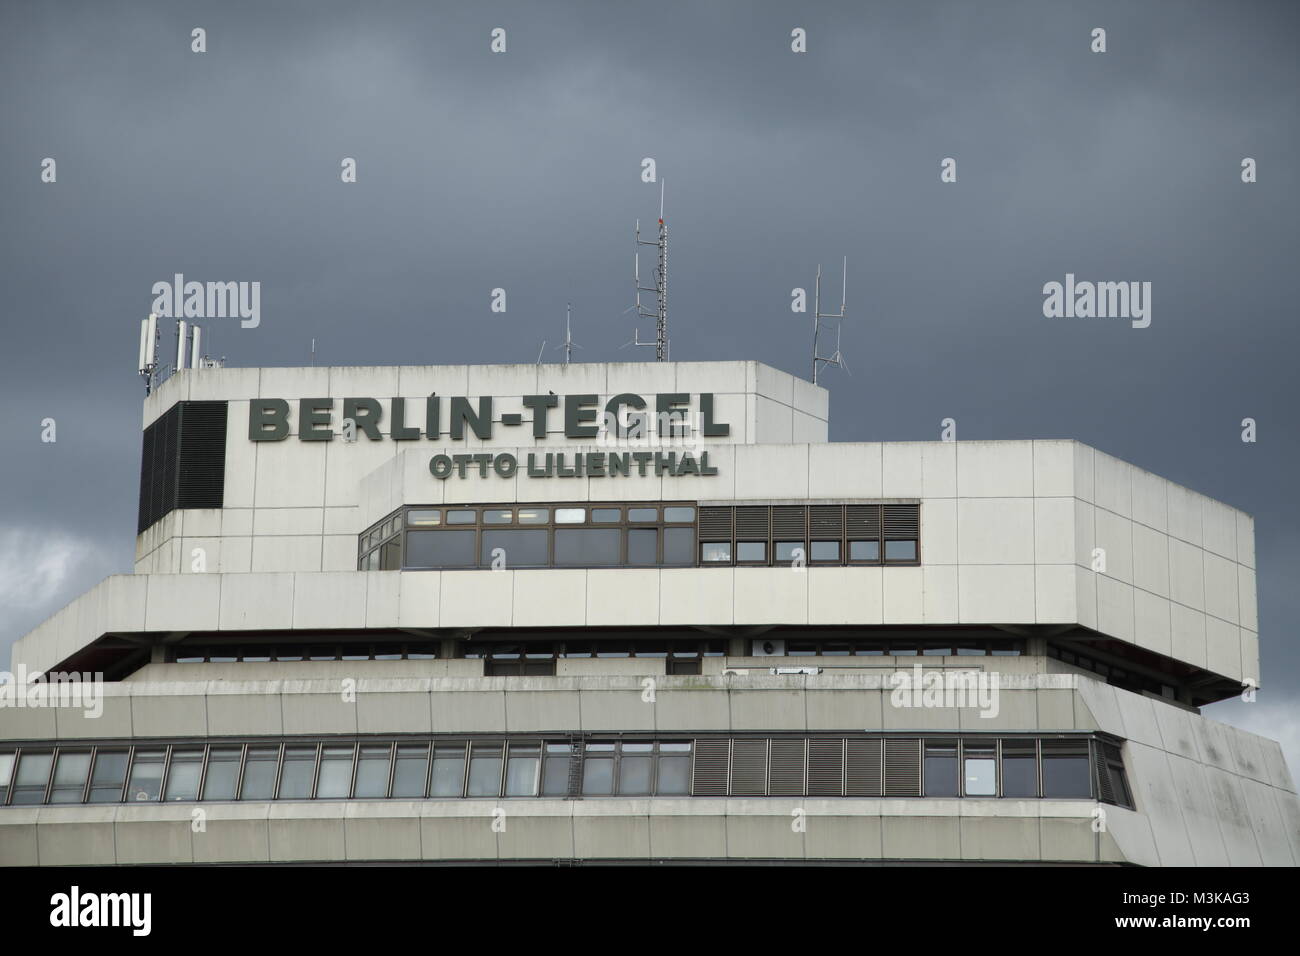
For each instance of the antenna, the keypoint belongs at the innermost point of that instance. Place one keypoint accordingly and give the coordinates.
(180, 344)
(568, 345)
(540, 351)
(835, 359)
(660, 314)
(148, 350)
(313, 353)
(195, 352)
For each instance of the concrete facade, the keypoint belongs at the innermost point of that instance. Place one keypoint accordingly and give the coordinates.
(1036, 539)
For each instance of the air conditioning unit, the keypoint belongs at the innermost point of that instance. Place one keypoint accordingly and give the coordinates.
(765, 647)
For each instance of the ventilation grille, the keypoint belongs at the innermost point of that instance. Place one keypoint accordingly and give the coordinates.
(902, 521)
(715, 523)
(788, 522)
(751, 522)
(826, 521)
(709, 772)
(183, 461)
(786, 778)
(1105, 786)
(902, 768)
(826, 767)
(863, 520)
(862, 778)
(748, 768)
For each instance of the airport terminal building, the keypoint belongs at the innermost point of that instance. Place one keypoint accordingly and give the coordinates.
(632, 613)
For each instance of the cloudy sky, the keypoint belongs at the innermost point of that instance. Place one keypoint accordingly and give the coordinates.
(521, 170)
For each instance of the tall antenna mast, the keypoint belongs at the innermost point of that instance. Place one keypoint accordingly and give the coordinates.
(568, 345)
(660, 314)
(148, 363)
(836, 358)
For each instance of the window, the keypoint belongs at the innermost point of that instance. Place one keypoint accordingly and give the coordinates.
(642, 547)
(146, 776)
(1019, 768)
(941, 768)
(522, 769)
(570, 515)
(336, 772)
(555, 772)
(109, 776)
(678, 515)
(900, 550)
(868, 551)
(223, 773)
(711, 551)
(679, 547)
(787, 552)
(424, 518)
(674, 768)
(1065, 769)
(183, 775)
(979, 769)
(534, 515)
(825, 551)
(440, 549)
(372, 770)
(498, 515)
(6, 772)
(485, 770)
(606, 515)
(751, 552)
(519, 548)
(598, 770)
(461, 516)
(642, 514)
(70, 772)
(297, 773)
(448, 770)
(409, 776)
(259, 773)
(587, 547)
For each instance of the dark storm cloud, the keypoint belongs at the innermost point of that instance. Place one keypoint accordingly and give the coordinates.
(521, 171)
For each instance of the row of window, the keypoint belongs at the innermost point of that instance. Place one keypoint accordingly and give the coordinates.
(650, 534)
(896, 647)
(979, 766)
(1117, 676)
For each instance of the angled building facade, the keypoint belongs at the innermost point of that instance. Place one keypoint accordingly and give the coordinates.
(624, 613)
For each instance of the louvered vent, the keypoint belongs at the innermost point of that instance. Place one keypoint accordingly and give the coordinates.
(201, 459)
(183, 461)
(862, 774)
(786, 777)
(709, 772)
(715, 523)
(902, 521)
(863, 521)
(1105, 785)
(902, 768)
(788, 522)
(748, 768)
(751, 522)
(826, 767)
(826, 521)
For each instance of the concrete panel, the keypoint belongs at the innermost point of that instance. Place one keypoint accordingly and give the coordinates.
(1188, 635)
(920, 837)
(1232, 813)
(620, 709)
(1114, 485)
(769, 709)
(449, 831)
(550, 597)
(236, 833)
(1152, 627)
(302, 831)
(256, 602)
(844, 470)
(772, 472)
(1186, 574)
(287, 553)
(1084, 484)
(291, 473)
(904, 596)
(19, 844)
(684, 830)
(1115, 607)
(940, 594)
(989, 838)
(901, 470)
(939, 531)
(1222, 648)
(1053, 469)
(995, 531)
(1150, 500)
(1218, 528)
(1003, 469)
(1249, 615)
(777, 595)
(1053, 531)
(690, 596)
(153, 834)
(939, 469)
(996, 594)
(839, 710)
(236, 708)
(419, 598)
(1153, 785)
(1184, 514)
(1115, 535)
(1066, 840)
(1245, 539)
(533, 710)
(611, 830)
(83, 837)
(837, 833)
(1056, 711)
(1150, 560)
(169, 712)
(335, 599)
(382, 831)
(462, 711)
(1221, 588)
(380, 711)
(691, 707)
(317, 713)
(183, 602)
(533, 833)
(763, 832)
(478, 599)
(1055, 594)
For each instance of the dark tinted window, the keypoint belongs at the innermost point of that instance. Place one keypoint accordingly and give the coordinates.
(587, 547)
(439, 549)
(522, 548)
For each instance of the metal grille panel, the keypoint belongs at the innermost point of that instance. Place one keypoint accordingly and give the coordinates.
(709, 769)
(862, 771)
(748, 768)
(826, 767)
(902, 768)
(786, 778)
